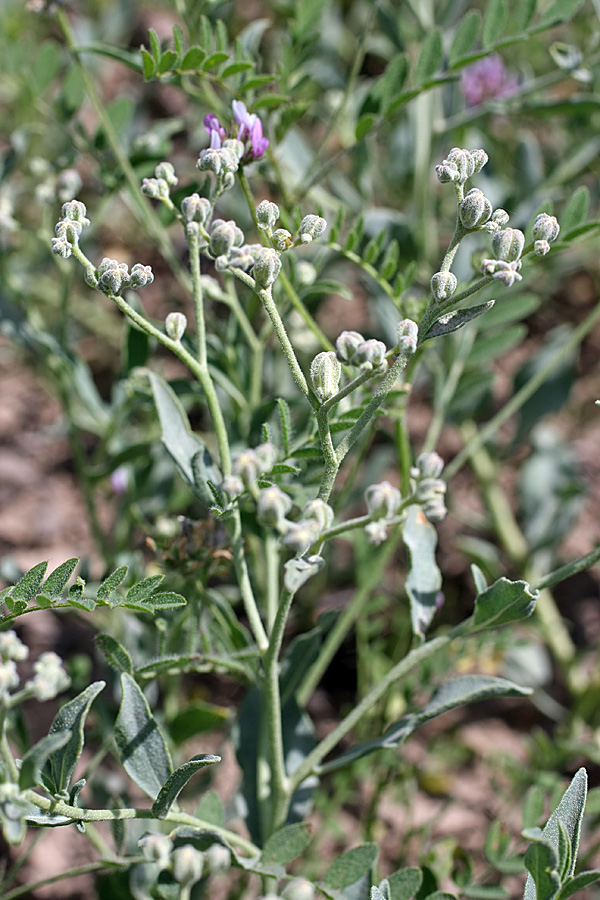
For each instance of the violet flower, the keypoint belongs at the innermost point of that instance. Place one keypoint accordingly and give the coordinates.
(250, 130)
(215, 130)
(487, 79)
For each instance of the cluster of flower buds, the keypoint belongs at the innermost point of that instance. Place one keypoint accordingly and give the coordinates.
(111, 276)
(428, 488)
(223, 162)
(407, 333)
(246, 128)
(383, 501)
(461, 165)
(544, 231)
(352, 349)
(159, 187)
(186, 863)
(507, 245)
(299, 536)
(49, 680)
(247, 466)
(68, 228)
(311, 227)
(196, 210)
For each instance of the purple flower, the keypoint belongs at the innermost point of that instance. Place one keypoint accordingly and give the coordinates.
(215, 130)
(487, 79)
(250, 130)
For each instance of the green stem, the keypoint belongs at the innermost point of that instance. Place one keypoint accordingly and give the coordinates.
(193, 241)
(311, 763)
(345, 621)
(71, 873)
(528, 389)
(569, 569)
(272, 578)
(266, 298)
(145, 212)
(80, 814)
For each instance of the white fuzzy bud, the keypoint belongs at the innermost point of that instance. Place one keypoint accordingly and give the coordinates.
(428, 465)
(113, 276)
(155, 188)
(407, 332)
(540, 248)
(545, 228)
(266, 268)
(475, 209)
(298, 889)
(175, 325)
(508, 244)
(196, 209)
(9, 677)
(325, 374)
(246, 466)
(50, 678)
(156, 848)
(223, 236)
(267, 214)
(187, 864)
(382, 500)
(140, 276)
(272, 506)
(311, 227)
(443, 285)
(371, 353)
(347, 345)
(300, 536)
(11, 647)
(499, 269)
(320, 511)
(376, 532)
(217, 859)
(282, 239)
(165, 172)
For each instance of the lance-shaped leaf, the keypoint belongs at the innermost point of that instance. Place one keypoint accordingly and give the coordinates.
(57, 580)
(569, 812)
(177, 781)
(504, 601)
(577, 882)
(286, 844)
(187, 450)
(454, 320)
(140, 741)
(424, 579)
(71, 717)
(114, 653)
(30, 773)
(107, 592)
(350, 867)
(449, 695)
(541, 861)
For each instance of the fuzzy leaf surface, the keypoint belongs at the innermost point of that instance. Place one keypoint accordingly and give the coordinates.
(140, 741)
(71, 717)
(177, 781)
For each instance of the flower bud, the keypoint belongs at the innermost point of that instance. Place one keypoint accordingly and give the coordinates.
(320, 511)
(60, 247)
(217, 859)
(376, 532)
(187, 864)
(9, 677)
(11, 647)
(500, 217)
(443, 285)
(508, 244)
(382, 500)
(246, 466)
(224, 236)
(267, 214)
(155, 188)
(282, 239)
(347, 345)
(272, 506)
(371, 353)
(407, 332)
(461, 165)
(298, 889)
(475, 209)
(478, 160)
(300, 536)
(266, 268)
(196, 209)
(234, 149)
(76, 212)
(232, 485)
(165, 172)
(311, 227)
(540, 248)
(175, 325)
(266, 455)
(113, 276)
(50, 678)
(156, 848)
(140, 276)
(506, 272)
(325, 374)
(545, 228)
(429, 465)
(210, 161)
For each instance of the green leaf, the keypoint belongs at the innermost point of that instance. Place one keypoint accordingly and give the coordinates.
(178, 39)
(154, 44)
(564, 851)
(140, 742)
(193, 59)
(424, 579)
(164, 600)
(257, 81)
(196, 718)
(348, 868)
(222, 34)
(107, 592)
(495, 20)
(364, 126)
(464, 36)
(430, 57)
(140, 591)
(46, 66)
(485, 892)
(210, 809)
(390, 84)
(177, 781)
(577, 882)
(405, 883)
(489, 347)
(285, 424)
(235, 68)
(560, 11)
(454, 320)
(167, 62)
(576, 209)
(183, 446)
(270, 101)
(389, 263)
(214, 60)
(114, 653)
(57, 580)
(504, 601)
(205, 32)
(30, 773)
(27, 587)
(522, 15)
(71, 717)
(541, 861)
(286, 844)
